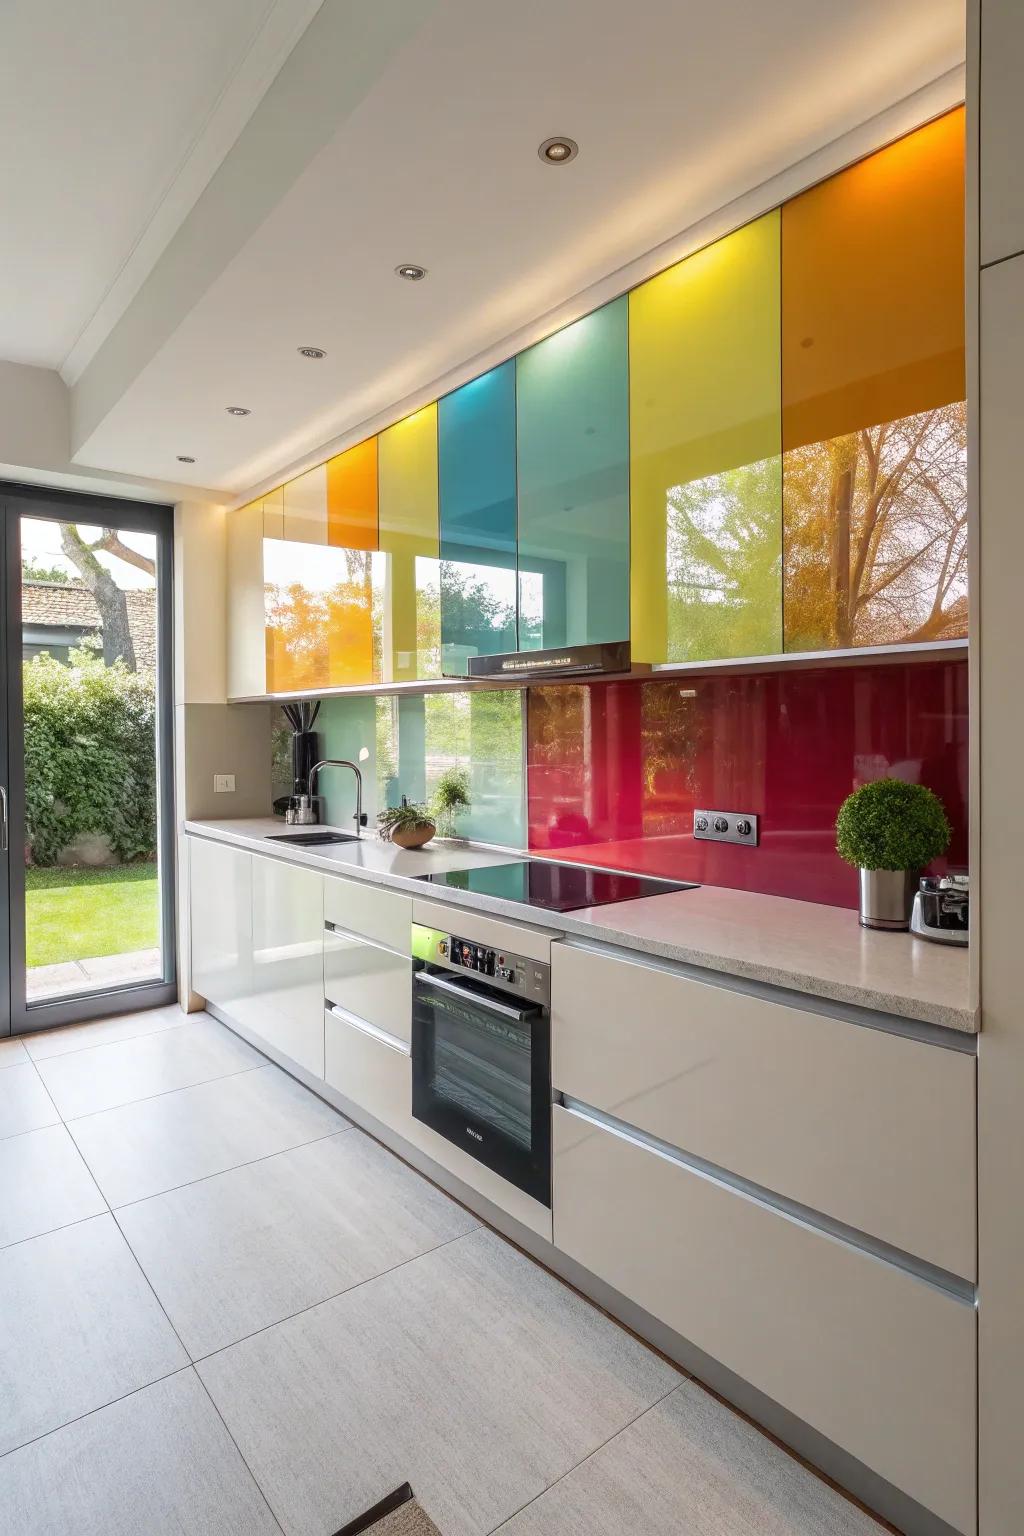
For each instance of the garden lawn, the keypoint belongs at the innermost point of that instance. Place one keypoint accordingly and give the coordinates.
(80, 914)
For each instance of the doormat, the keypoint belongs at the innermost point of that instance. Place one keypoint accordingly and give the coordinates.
(397, 1515)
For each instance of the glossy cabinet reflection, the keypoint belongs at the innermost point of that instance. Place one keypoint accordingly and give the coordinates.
(408, 538)
(477, 492)
(572, 401)
(873, 383)
(287, 960)
(352, 497)
(220, 905)
(705, 453)
(318, 611)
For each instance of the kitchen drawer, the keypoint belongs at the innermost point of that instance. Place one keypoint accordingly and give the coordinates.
(872, 1128)
(369, 910)
(879, 1361)
(482, 928)
(369, 981)
(372, 1073)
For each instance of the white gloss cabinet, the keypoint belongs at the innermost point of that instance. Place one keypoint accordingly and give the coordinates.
(374, 1074)
(369, 910)
(871, 1128)
(369, 981)
(880, 1362)
(287, 964)
(220, 911)
(1002, 168)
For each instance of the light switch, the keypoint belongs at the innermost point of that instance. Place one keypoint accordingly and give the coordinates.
(223, 783)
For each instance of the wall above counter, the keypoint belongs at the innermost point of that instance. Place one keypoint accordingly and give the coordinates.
(759, 451)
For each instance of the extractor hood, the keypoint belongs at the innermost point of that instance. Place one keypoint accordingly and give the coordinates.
(563, 661)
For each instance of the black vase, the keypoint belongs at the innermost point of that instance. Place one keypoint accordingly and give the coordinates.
(305, 752)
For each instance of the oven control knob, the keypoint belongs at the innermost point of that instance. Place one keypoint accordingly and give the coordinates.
(442, 947)
(721, 825)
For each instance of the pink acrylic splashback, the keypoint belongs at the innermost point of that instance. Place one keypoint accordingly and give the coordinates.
(615, 770)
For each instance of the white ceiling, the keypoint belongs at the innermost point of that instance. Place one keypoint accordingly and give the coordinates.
(398, 130)
(111, 110)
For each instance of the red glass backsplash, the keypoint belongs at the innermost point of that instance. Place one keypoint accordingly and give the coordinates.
(614, 770)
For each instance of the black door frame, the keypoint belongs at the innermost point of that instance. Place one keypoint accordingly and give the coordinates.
(17, 501)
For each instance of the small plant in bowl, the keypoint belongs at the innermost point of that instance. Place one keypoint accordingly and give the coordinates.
(451, 795)
(889, 831)
(410, 826)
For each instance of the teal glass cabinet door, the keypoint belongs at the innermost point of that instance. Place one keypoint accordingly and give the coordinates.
(572, 405)
(476, 446)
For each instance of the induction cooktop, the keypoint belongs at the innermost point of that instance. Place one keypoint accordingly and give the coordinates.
(557, 887)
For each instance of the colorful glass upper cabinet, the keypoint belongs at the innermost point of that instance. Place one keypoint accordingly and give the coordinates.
(408, 536)
(705, 453)
(476, 441)
(572, 396)
(873, 382)
(352, 497)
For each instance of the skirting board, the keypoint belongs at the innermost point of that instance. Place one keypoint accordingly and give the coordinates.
(878, 1495)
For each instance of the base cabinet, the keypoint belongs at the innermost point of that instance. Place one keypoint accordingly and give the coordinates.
(373, 1074)
(879, 1361)
(220, 910)
(288, 978)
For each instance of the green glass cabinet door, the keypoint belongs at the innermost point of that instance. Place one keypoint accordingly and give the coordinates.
(572, 432)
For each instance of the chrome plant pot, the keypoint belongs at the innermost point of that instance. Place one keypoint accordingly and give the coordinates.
(887, 897)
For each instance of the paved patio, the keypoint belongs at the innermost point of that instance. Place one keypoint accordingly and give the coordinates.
(73, 976)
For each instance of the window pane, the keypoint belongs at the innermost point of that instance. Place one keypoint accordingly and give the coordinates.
(89, 672)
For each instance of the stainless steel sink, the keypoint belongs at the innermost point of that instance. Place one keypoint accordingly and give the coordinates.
(310, 839)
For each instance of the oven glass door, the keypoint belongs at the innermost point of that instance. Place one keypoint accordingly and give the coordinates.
(481, 1075)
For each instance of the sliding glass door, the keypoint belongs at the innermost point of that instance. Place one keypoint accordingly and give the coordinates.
(87, 673)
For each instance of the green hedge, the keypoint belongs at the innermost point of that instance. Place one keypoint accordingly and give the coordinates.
(90, 756)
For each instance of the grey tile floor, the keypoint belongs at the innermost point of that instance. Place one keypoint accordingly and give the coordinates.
(224, 1311)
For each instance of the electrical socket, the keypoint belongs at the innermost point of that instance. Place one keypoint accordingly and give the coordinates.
(727, 827)
(223, 783)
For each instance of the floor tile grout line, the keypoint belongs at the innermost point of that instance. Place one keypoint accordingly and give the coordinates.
(99, 1407)
(213, 1353)
(64, 1226)
(241, 1454)
(141, 1199)
(49, 1126)
(219, 1173)
(97, 1045)
(146, 1098)
(495, 1529)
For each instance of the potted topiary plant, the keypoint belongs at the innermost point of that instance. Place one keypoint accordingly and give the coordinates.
(451, 795)
(889, 831)
(410, 826)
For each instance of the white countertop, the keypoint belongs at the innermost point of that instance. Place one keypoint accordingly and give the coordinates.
(798, 944)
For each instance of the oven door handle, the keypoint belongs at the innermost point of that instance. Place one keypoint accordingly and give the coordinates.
(489, 1003)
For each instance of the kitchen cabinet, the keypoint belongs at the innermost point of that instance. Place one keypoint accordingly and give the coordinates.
(409, 540)
(875, 1130)
(373, 1073)
(1002, 171)
(368, 981)
(873, 384)
(705, 437)
(287, 960)
(220, 917)
(305, 507)
(352, 497)
(572, 435)
(880, 1362)
(372, 911)
(476, 440)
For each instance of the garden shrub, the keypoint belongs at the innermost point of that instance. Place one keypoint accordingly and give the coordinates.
(90, 755)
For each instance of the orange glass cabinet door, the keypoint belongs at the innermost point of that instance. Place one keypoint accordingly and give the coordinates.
(873, 383)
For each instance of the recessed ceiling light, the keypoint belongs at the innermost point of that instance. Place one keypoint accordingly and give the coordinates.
(411, 272)
(311, 352)
(559, 150)
(238, 410)
(185, 458)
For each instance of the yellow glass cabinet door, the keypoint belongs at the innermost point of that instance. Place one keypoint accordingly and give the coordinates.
(408, 512)
(705, 453)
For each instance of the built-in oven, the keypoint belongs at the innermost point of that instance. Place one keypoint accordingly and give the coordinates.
(481, 1054)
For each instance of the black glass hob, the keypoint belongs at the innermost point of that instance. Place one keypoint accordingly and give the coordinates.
(557, 887)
